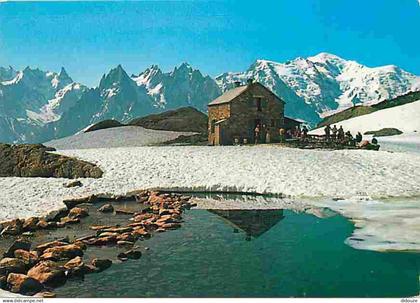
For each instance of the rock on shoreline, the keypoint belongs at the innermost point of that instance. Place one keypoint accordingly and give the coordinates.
(34, 160)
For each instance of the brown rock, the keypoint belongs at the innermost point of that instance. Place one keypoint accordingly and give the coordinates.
(108, 234)
(141, 217)
(101, 241)
(76, 183)
(40, 248)
(64, 252)
(57, 214)
(119, 230)
(141, 232)
(171, 225)
(44, 246)
(18, 244)
(106, 208)
(77, 213)
(67, 220)
(101, 264)
(123, 212)
(126, 237)
(13, 227)
(73, 263)
(28, 257)
(20, 283)
(48, 273)
(71, 203)
(154, 198)
(130, 254)
(42, 224)
(12, 265)
(30, 224)
(81, 239)
(34, 160)
(98, 227)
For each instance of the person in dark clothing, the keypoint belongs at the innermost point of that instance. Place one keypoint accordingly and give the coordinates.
(349, 139)
(334, 132)
(359, 137)
(327, 131)
(304, 133)
(340, 134)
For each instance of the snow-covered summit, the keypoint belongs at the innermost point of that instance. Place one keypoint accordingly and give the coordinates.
(326, 83)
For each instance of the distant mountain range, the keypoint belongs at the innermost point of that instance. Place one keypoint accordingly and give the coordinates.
(37, 106)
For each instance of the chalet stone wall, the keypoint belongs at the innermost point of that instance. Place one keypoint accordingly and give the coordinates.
(217, 113)
(243, 114)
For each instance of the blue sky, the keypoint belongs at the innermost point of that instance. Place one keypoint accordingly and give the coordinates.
(89, 38)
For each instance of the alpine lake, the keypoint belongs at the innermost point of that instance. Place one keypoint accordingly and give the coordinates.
(241, 253)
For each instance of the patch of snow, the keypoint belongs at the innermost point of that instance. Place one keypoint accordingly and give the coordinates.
(15, 80)
(110, 92)
(115, 137)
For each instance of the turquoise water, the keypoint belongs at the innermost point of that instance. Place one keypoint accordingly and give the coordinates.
(265, 253)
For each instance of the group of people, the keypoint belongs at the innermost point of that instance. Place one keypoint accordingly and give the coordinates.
(338, 135)
(262, 134)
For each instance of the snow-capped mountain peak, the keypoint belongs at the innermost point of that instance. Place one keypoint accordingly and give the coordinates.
(325, 82)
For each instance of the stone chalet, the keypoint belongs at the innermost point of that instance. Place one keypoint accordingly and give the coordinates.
(234, 115)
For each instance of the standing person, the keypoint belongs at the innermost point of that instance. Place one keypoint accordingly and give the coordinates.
(282, 133)
(341, 133)
(267, 136)
(334, 132)
(289, 134)
(263, 133)
(359, 137)
(257, 134)
(349, 139)
(304, 132)
(327, 131)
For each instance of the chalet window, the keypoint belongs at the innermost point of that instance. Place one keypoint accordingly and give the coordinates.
(258, 102)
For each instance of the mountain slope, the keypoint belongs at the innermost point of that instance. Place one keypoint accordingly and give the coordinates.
(363, 110)
(404, 117)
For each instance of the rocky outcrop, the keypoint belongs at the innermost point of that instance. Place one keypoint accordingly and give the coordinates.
(384, 132)
(185, 119)
(12, 265)
(48, 273)
(17, 245)
(35, 160)
(20, 283)
(106, 208)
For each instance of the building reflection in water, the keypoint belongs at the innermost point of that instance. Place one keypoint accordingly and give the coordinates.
(253, 223)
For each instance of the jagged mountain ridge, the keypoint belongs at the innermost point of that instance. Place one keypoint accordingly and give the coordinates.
(37, 106)
(31, 98)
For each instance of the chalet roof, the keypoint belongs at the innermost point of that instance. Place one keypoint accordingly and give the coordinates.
(229, 95)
